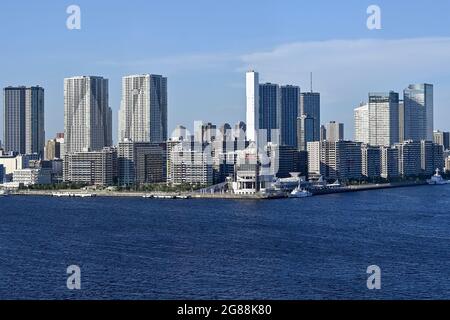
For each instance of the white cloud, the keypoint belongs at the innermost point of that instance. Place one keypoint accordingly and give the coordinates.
(346, 70)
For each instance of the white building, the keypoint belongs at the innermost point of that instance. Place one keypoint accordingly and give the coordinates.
(143, 110)
(314, 158)
(12, 163)
(29, 177)
(188, 165)
(253, 171)
(252, 88)
(383, 119)
(87, 115)
(361, 115)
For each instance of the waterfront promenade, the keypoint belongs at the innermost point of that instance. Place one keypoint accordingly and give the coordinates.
(196, 195)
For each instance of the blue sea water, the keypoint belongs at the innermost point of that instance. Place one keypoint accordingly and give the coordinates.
(315, 248)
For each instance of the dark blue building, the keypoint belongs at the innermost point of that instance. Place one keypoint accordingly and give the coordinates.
(290, 105)
(310, 105)
(270, 110)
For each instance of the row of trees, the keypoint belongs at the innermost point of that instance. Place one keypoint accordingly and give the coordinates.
(159, 187)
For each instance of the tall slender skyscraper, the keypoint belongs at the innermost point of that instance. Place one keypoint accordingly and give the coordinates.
(24, 129)
(310, 105)
(383, 119)
(87, 115)
(270, 110)
(252, 93)
(418, 112)
(143, 111)
(290, 106)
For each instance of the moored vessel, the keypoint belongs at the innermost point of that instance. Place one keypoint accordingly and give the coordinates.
(437, 179)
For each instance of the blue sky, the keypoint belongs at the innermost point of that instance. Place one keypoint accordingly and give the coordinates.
(204, 48)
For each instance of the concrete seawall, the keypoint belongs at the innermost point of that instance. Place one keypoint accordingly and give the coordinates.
(193, 195)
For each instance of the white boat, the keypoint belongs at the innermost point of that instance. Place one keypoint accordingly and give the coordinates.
(3, 193)
(300, 193)
(437, 179)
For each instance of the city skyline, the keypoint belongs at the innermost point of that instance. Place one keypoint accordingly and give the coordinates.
(200, 64)
(144, 95)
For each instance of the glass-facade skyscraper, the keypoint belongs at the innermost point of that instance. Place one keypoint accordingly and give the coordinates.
(418, 112)
(290, 105)
(270, 110)
(310, 105)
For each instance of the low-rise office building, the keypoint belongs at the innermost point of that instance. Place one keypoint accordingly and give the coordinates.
(371, 161)
(409, 158)
(389, 162)
(30, 177)
(341, 160)
(141, 163)
(188, 165)
(92, 168)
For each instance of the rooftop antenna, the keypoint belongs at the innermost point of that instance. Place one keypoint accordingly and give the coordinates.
(311, 77)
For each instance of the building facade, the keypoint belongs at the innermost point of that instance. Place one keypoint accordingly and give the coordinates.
(141, 163)
(409, 158)
(310, 105)
(335, 131)
(313, 151)
(442, 138)
(30, 177)
(143, 112)
(87, 115)
(371, 162)
(419, 112)
(361, 117)
(341, 160)
(24, 127)
(252, 94)
(305, 131)
(290, 106)
(383, 119)
(97, 168)
(389, 162)
(270, 111)
(53, 150)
